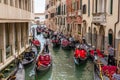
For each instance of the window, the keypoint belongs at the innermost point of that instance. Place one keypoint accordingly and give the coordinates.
(16, 35)
(64, 8)
(84, 9)
(0, 1)
(59, 10)
(37, 18)
(46, 16)
(8, 46)
(11, 2)
(88, 7)
(68, 27)
(96, 6)
(20, 6)
(79, 28)
(80, 4)
(77, 4)
(26, 7)
(5, 1)
(0, 55)
(52, 15)
(27, 33)
(16, 3)
(22, 36)
(111, 6)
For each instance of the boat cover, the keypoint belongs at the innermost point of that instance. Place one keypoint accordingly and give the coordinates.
(109, 69)
(36, 42)
(80, 53)
(98, 53)
(65, 42)
(44, 60)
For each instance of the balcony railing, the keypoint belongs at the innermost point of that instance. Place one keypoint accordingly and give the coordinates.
(99, 18)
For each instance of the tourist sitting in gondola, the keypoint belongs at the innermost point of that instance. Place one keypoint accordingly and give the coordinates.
(71, 39)
(55, 41)
(43, 61)
(65, 43)
(36, 43)
(28, 57)
(80, 55)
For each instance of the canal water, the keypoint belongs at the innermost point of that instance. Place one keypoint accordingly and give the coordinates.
(63, 67)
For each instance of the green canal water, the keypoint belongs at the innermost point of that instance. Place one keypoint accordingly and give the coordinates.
(63, 67)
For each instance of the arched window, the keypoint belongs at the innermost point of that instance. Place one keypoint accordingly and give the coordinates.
(84, 9)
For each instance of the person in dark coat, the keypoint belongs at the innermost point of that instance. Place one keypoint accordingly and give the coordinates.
(111, 60)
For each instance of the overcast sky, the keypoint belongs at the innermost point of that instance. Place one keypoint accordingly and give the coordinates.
(39, 6)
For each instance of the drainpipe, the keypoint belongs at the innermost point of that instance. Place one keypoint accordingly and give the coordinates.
(117, 22)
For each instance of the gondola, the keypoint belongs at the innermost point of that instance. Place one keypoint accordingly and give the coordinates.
(37, 43)
(80, 56)
(65, 44)
(55, 42)
(44, 62)
(97, 51)
(28, 58)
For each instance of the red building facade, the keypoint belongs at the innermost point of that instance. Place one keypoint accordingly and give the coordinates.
(74, 17)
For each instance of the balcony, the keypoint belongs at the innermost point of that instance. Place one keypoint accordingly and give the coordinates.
(99, 18)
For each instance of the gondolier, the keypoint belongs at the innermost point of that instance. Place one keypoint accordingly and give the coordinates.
(111, 60)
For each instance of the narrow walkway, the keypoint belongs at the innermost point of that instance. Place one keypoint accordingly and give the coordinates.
(20, 75)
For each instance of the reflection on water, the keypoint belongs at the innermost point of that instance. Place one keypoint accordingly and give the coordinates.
(63, 67)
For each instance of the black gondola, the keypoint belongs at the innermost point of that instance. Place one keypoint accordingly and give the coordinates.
(28, 58)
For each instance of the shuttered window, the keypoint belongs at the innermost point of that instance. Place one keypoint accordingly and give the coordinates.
(80, 4)
(111, 6)
(96, 6)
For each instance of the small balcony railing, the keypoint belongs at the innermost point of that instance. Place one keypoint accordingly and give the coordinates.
(99, 18)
